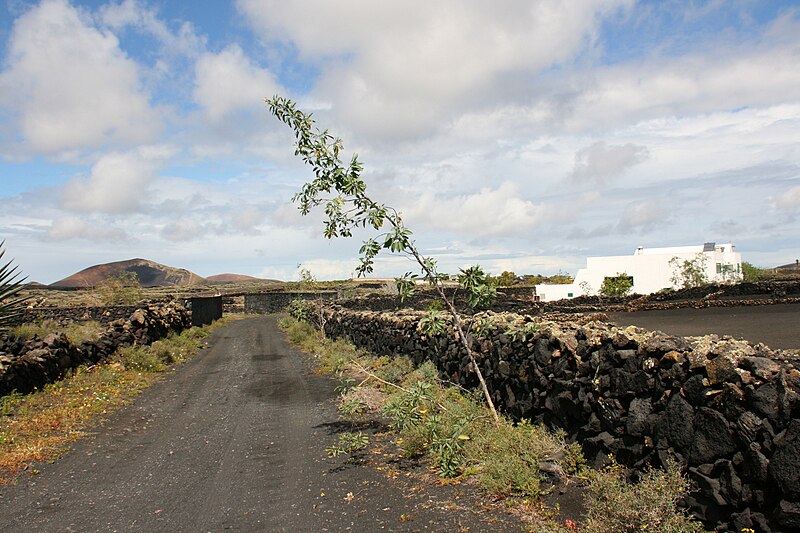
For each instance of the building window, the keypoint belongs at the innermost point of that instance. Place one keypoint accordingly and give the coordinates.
(569, 295)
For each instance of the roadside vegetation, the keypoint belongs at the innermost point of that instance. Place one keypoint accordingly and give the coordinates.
(76, 332)
(11, 302)
(753, 273)
(39, 427)
(452, 430)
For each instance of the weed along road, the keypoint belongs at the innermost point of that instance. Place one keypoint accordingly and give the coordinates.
(232, 440)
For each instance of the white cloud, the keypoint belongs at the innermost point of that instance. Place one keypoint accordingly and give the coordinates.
(247, 218)
(117, 182)
(229, 81)
(489, 212)
(69, 86)
(136, 14)
(184, 229)
(323, 269)
(790, 199)
(67, 228)
(601, 163)
(761, 74)
(642, 215)
(400, 69)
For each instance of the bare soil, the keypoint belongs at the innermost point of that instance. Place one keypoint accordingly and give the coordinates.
(777, 326)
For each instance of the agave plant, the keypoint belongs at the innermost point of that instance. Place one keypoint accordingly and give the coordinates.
(11, 305)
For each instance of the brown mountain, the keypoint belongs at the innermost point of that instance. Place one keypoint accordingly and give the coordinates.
(149, 273)
(231, 278)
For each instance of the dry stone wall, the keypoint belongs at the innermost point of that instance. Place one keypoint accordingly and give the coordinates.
(728, 410)
(274, 302)
(65, 315)
(27, 365)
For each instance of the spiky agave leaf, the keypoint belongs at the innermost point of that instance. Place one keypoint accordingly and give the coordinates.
(10, 285)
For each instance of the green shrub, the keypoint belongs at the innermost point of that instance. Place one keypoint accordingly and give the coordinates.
(506, 279)
(753, 273)
(433, 323)
(512, 454)
(174, 348)
(689, 273)
(348, 442)
(302, 334)
(426, 373)
(300, 309)
(394, 370)
(436, 421)
(141, 359)
(614, 504)
(336, 355)
(618, 285)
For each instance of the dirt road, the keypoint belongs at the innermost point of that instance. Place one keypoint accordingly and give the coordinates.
(777, 326)
(233, 440)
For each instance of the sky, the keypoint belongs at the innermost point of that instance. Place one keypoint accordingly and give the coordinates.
(520, 135)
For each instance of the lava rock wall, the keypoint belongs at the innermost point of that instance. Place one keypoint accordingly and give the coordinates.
(729, 411)
(273, 302)
(65, 315)
(27, 365)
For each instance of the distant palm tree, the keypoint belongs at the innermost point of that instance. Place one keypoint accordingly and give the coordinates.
(10, 284)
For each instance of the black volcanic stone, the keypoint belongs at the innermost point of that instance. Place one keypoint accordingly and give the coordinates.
(542, 351)
(787, 515)
(677, 424)
(742, 520)
(713, 437)
(662, 344)
(695, 391)
(730, 483)
(765, 401)
(638, 414)
(756, 465)
(762, 367)
(785, 464)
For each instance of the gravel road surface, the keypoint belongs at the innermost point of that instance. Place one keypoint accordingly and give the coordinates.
(232, 441)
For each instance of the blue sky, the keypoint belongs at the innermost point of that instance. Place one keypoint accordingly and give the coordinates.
(522, 134)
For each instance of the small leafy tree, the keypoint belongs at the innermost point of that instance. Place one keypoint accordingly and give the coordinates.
(689, 273)
(338, 188)
(752, 273)
(506, 279)
(585, 288)
(618, 285)
(307, 279)
(11, 305)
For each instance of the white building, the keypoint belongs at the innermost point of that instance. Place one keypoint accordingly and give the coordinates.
(650, 269)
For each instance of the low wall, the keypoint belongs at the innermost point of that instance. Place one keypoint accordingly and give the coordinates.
(273, 302)
(29, 365)
(728, 410)
(104, 315)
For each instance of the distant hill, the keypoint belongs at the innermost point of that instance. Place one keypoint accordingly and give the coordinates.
(233, 278)
(150, 274)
